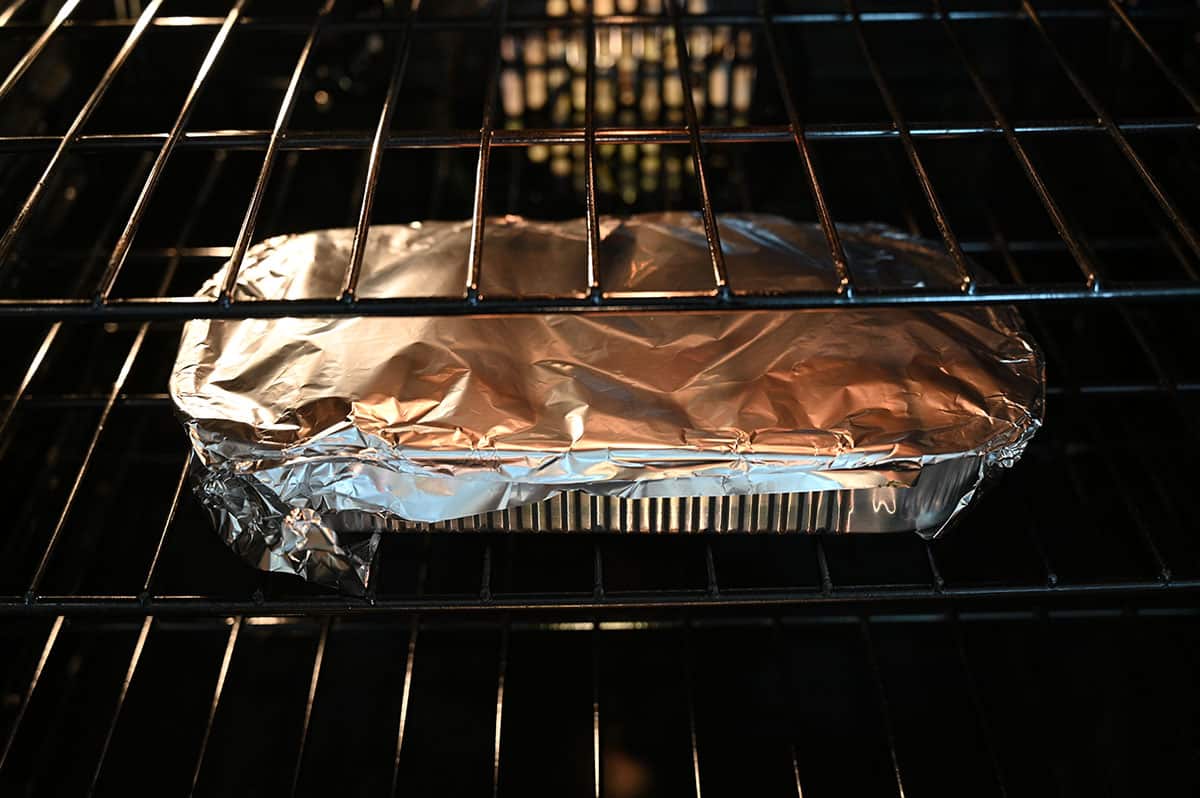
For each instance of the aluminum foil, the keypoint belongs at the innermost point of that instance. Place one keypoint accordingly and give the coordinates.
(317, 435)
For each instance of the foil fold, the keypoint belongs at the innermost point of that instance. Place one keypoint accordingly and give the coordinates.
(316, 436)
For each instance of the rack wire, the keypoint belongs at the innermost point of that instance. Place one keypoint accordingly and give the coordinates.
(1086, 535)
(938, 707)
(673, 663)
(116, 420)
(99, 301)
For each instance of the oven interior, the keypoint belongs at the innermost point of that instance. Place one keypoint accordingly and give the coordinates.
(1047, 645)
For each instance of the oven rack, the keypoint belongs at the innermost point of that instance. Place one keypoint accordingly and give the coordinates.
(936, 704)
(1048, 645)
(1092, 514)
(99, 298)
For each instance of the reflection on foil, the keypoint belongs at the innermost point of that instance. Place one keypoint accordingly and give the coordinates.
(316, 436)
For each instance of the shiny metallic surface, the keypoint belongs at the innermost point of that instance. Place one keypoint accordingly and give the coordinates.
(317, 435)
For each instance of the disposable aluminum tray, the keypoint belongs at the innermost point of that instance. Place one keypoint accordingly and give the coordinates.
(317, 435)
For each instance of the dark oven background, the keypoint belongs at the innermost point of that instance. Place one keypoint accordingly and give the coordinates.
(1048, 645)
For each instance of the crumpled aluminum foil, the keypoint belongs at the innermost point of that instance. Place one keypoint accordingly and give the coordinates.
(318, 434)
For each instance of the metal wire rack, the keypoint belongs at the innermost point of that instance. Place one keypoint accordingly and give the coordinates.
(886, 705)
(101, 300)
(1049, 146)
(1084, 482)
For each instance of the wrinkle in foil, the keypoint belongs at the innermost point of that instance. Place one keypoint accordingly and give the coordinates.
(314, 433)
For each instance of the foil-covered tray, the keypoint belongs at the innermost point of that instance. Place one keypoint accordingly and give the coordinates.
(317, 435)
